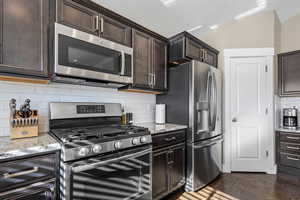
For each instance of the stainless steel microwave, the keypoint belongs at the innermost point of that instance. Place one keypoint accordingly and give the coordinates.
(86, 56)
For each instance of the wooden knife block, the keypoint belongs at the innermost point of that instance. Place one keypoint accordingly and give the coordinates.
(24, 127)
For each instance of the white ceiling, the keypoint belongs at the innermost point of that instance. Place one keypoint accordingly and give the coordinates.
(183, 15)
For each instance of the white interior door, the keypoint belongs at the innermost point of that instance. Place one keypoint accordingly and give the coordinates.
(249, 110)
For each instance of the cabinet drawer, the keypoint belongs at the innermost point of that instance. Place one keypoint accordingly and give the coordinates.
(167, 139)
(290, 160)
(290, 147)
(22, 172)
(289, 137)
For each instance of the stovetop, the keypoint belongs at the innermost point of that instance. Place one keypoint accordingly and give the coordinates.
(98, 134)
(89, 129)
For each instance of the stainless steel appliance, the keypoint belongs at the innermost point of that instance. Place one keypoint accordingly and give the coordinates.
(100, 158)
(290, 117)
(85, 58)
(195, 99)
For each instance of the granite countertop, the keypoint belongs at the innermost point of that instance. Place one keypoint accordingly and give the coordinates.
(290, 130)
(27, 146)
(161, 128)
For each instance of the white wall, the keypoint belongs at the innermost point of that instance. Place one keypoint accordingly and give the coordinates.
(290, 31)
(256, 31)
(142, 105)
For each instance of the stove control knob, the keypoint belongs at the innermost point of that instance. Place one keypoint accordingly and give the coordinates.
(135, 141)
(83, 151)
(118, 145)
(97, 148)
(143, 139)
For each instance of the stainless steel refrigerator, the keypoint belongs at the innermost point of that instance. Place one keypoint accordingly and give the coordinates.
(195, 99)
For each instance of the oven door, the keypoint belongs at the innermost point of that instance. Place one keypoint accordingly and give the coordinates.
(119, 176)
(82, 55)
(37, 191)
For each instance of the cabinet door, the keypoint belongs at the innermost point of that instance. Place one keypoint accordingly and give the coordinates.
(142, 56)
(77, 16)
(289, 73)
(211, 58)
(159, 174)
(193, 50)
(115, 31)
(160, 64)
(177, 166)
(23, 28)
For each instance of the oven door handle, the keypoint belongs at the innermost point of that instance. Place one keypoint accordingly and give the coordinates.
(101, 163)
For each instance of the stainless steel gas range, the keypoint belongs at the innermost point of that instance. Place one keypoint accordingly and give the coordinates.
(101, 159)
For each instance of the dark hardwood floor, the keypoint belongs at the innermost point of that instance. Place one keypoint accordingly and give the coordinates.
(246, 186)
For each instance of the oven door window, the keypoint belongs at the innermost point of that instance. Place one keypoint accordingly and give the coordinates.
(79, 54)
(121, 180)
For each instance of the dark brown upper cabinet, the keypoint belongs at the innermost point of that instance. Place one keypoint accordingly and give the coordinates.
(24, 37)
(78, 16)
(185, 47)
(142, 60)
(159, 64)
(115, 31)
(289, 73)
(193, 50)
(149, 62)
(81, 17)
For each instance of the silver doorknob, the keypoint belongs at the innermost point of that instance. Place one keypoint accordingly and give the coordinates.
(234, 120)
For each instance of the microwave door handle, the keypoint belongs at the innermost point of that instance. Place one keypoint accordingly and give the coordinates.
(101, 163)
(122, 72)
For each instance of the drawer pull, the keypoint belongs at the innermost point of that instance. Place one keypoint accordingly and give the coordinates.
(294, 148)
(290, 158)
(170, 139)
(13, 175)
(292, 138)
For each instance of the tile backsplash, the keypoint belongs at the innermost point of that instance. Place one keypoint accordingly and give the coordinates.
(286, 102)
(142, 105)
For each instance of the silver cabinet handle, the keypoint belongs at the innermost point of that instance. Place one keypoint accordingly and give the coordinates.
(170, 139)
(102, 24)
(292, 138)
(13, 175)
(96, 23)
(290, 158)
(234, 119)
(295, 148)
(154, 77)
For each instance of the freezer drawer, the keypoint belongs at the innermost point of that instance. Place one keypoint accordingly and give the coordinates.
(204, 162)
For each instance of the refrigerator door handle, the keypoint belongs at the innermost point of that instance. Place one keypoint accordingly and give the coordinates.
(209, 96)
(215, 101)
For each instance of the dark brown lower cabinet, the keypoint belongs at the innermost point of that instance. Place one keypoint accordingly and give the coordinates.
(288, 153)
(168, 172)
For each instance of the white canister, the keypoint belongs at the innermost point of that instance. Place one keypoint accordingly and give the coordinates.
(160, 113)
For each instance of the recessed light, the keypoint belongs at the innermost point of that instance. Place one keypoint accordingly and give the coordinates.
(195, 28)
(214, 27)
(261, 4)
(167, 2)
